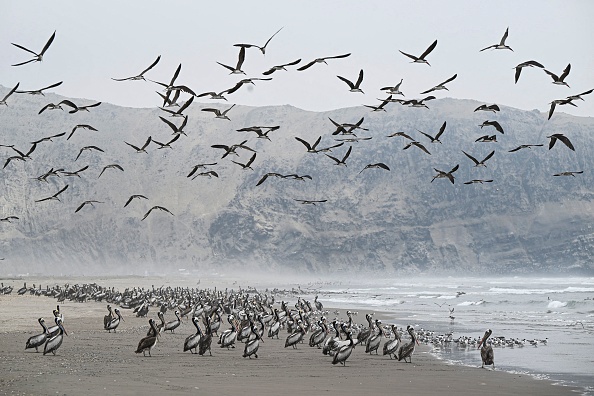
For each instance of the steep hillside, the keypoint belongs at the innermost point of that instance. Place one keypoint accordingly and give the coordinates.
(526, 220)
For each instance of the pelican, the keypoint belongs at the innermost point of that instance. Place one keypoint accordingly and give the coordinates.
(38, 56)
(107, 318)
(38, 340)
(148, 342)
(373, 341)
(343, 353)
(296, 337)
(252, 345)
(280, 67)
(421, 59)
(318, 336)
(193, 341)
(141, 75)
(53, 343)
(237, 68)
(501, 44)
(391, 347)
(155, 207)
(206, 340)
(442, 174)
(407, 350)
(321, 60)
(115, 322)
(441, 86)
(3, 100)
(356, 86)
(220, 114)
(486, 351)
(559, 136)
(558, 80)
(174, 324)
(477, 162)
(227, 338)
(262, 48)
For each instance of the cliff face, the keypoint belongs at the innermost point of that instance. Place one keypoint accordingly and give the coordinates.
(526, 220)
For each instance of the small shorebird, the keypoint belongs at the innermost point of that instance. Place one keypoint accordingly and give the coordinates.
(554, 103)
(310, 202)
(52, 106)
(421, 59)
(168, 144)
(38, 56)
(88, 148)
(179, 112)
(487, 139)
(478, 181)
(381, 105)
(248, 164)
(199, 166)
(232, 149)
(501, 44)
(111, 166)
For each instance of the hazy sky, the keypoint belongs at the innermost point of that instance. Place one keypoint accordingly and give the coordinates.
(99, 40)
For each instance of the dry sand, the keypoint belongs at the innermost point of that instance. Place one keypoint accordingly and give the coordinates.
(93, 362)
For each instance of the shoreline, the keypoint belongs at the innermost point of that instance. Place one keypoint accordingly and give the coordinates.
(94, 361)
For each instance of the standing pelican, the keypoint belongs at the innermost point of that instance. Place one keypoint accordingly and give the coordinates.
(407, 350)
(53, 343)
(296, 337)
(115, 322)
(206, 340)
(148, 342)
(38, 340)
(391, 347)
(172, 325)
(107, 318)
(227, 338)
(374, 340)
(193, 340)
(252, 345)
(343, 353)
(486, 351)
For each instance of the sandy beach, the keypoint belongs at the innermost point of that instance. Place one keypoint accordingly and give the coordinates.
(93, 362)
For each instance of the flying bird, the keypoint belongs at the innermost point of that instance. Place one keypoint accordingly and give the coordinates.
(441, 86)
(280, 67)
(418, 145)
(38, 56)
(378, 165)
(27, 155)
(418, 102)
(84, 108)
(220, 114)
(88, 148)
(321, 60)
(342, 161)
(501, 44)
(487, 139)
(209, 174)
(76, 173)
(395, 90)
(141, 75)
(494, 124)
(168, 144)
(156, 207)
(310, 202)
(421, 59)
(262, 48)
(176, 129)
(561, 102)
(144, 146)
(86, 203)
(237, 68)
(404, 135)
(347, 128)
(40, 91)
(179, 112)
(9, 219)
(568, 173)
(111, 166)
(245, 81)
(199, 166)
(214, 95)
(522, 65)
(559, 136)
(266, 176)
(477, 162)
(559, 80)
(52, 106)
(55, 196)
(523, 146)
(135, 196)
(3, 101)
(579, 96)
(436, 138)
(478, 181)
(248, 164)
(449, 175)
(232, 149)
(356, 86)
(494, 108)
(381, 105)
(83, 126)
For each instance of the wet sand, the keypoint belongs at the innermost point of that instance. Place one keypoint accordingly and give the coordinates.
(92, 362)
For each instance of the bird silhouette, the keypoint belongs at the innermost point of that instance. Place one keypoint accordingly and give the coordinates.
(153, 208)
(141, 75)
(421, 59)
(38, 56)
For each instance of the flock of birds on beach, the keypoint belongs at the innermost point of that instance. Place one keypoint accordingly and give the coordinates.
(173, 108)
(252, 316)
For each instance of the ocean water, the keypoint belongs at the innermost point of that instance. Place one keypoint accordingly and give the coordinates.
(558, 310)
